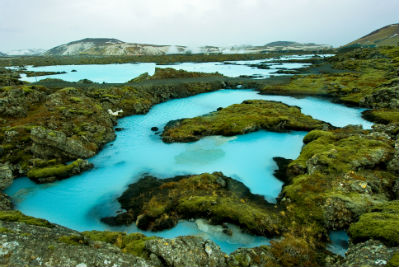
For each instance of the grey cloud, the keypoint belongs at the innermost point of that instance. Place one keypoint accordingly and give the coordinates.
(47, 23)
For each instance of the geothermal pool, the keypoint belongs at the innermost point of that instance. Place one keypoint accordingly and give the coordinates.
(80, 201)
(121, 73)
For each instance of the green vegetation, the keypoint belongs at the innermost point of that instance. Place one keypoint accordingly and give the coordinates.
(382, 223)
(73, 240)
(394, 261)
(169, 73)
(336, 153)
(249, 116)
(384, 116)
(297, 248)
(158, 204)
(386, 36)
(364, 72)
(17, 216)
(129, 243)
(55, 172)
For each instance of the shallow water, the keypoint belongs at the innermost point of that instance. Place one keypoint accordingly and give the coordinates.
(339, 242)
(120, 73)
(80, 201)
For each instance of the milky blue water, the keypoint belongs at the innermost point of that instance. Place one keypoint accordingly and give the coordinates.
(120, 73)
(339, 242)
(110, 73)
(80, 201)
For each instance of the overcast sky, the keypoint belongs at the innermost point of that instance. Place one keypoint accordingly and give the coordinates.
(48, 23)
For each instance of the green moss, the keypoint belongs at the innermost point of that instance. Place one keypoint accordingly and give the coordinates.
(249, 116)
(382, 115)
(17, 216)
(129, 243)
(5, 230)
(142, 77)
(364, 71)
(394, 261)
(73, 240)
(75, 99)
(382, 224)
(315, 134)
(59, 170)
(159, 204)
(337, 154)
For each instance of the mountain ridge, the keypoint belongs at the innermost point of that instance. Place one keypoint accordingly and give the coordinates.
(385, 36)
(111, 46)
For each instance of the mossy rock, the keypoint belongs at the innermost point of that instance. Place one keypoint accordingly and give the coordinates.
(382, 223)
(129, 243)
(73, 240)
(17, 216)
(384, 116)
(334, 152)
(394, 261)
(249, 116)
(158, 204)
(59, 171)
(315, 134)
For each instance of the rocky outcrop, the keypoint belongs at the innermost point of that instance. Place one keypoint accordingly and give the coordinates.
(336, 184)
(381, 222)
(6, 176)
(187, 251)
(50, 143)
(386, 97)
(248, 257)
(5, 202)
(370, 253)
(26, 241)
(158, 204)
(249, 116)
(17, 102)
(28, 244)
(52, 173)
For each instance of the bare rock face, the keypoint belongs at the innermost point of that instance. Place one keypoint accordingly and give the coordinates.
(6, 176)
(16, 102)
(47, 143)
(369, 253)
(247, 257)
(5, 202)
(23, 244)
(187, 251)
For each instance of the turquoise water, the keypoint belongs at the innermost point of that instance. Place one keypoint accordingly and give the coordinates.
(80, 201)
(339, 242)
(120, 73)
(110, 73)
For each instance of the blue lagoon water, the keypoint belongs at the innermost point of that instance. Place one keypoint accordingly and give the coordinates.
(80, 201)
(121, 73)
(110, 73)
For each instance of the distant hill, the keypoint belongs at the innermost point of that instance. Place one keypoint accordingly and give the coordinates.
(284, 46)
(2, 54)
(388, 35)
(113, 47)
(106, 46)
(26, 52)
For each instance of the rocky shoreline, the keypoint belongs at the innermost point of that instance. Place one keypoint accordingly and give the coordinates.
(344, 179)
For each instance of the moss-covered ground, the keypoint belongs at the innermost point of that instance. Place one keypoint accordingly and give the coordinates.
(249, 116)
(155, 204)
